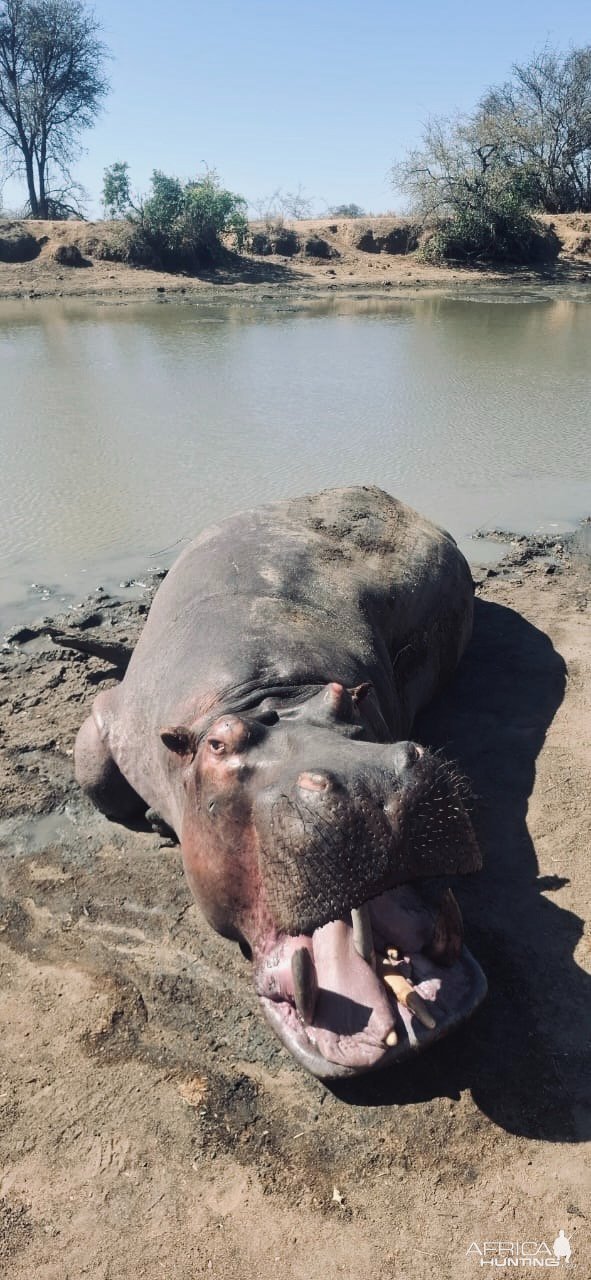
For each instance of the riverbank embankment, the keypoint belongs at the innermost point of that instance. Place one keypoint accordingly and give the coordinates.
(300, 262)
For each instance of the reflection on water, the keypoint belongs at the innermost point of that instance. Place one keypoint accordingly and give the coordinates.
(126, 430)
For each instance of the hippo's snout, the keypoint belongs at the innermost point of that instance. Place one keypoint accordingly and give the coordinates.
(358, 966)
(331, 836)
(398, 760)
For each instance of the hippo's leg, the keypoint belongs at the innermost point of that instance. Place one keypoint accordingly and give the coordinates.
(96, 770)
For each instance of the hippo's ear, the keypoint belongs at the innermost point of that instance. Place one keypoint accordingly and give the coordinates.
(180, 740)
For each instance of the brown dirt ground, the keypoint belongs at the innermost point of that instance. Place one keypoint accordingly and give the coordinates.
(251, 277)
(150, 1125)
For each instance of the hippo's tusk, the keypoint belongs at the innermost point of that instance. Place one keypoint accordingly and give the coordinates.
(305, 983)
(363, 934)
(448, 934)
(419, 1007)
(407, 995)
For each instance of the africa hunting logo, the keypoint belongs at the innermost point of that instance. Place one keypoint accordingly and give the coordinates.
(521, 1253)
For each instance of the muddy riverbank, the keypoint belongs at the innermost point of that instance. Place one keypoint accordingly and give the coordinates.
(149, 1122)
(349, 257)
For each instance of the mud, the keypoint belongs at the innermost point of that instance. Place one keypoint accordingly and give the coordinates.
(151, 1125)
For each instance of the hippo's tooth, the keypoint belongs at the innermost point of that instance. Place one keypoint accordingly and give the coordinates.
(448, 934)
(391, 1039)
(421, 1010)
(305, 983)
(407, 995)
(363, 934)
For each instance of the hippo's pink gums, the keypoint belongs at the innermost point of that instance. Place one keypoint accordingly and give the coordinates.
(265, 715)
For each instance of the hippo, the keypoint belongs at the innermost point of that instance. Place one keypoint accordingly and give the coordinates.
(265, 717)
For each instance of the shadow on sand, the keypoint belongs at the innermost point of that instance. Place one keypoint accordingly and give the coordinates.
(525, 1054)
(233, 269)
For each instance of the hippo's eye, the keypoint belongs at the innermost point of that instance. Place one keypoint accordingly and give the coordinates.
(268, 717)
(217, 746)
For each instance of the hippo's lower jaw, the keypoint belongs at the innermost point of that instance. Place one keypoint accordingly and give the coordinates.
(341, 1013)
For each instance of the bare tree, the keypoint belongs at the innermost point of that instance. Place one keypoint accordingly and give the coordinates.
(52, 84)
(540, 122)
(450, 168)
(282, 204)
(475, 206)
(530, 136)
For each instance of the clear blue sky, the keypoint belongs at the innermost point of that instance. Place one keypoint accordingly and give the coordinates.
(320, 93)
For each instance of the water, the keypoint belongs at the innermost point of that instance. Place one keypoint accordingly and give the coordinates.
(127, 429)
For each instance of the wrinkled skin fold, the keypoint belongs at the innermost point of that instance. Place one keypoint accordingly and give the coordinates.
(265, 717)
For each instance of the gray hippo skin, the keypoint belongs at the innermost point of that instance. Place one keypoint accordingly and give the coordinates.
(265, 716)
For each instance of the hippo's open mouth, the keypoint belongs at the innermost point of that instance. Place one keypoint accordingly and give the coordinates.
(360, 993)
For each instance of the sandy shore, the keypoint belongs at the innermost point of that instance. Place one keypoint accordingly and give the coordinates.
(152, 1126)
(301, 279)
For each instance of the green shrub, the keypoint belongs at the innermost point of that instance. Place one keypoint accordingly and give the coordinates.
(185, 224)
(494, 224)
(116, 192)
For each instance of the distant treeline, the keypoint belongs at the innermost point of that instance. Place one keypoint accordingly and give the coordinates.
(479, 179)
(477, 182)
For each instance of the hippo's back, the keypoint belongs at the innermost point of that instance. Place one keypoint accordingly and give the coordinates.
(347, 584)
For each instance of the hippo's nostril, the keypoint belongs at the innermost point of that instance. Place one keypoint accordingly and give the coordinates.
(313, 781)
(269, 717)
